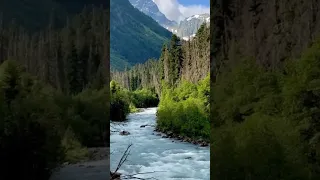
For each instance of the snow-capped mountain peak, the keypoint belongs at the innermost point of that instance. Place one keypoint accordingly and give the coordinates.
(150, 8)
(198, 16)
(190, 25)
(186, 29)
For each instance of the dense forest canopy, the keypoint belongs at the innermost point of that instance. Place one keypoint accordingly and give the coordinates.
(69, 58)
(264, 93)
(54, 92)
(33, 15)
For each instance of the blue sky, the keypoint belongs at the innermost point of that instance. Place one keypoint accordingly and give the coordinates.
(195, 2)
(177, 10)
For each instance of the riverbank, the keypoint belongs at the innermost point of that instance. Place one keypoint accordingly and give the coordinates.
(95, 167)
(169, 134)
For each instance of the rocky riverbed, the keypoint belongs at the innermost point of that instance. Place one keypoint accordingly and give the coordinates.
(171, 135)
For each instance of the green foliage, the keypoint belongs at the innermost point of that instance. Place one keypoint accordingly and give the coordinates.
(133, 108)
(258, 149)
(185, 110)
(120, 102)
(74, 151)
(41, 127)
(124, 101)
(144, 98)
(267, 121)
(89, 112)
(188, 60)
(28, 131)
(175, 59)
(71, 58)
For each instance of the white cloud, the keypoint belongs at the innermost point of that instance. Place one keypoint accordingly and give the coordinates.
(177, 12)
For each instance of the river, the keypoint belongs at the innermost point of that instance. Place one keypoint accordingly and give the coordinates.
(166, 158)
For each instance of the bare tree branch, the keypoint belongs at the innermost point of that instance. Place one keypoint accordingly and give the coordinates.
(123, 159)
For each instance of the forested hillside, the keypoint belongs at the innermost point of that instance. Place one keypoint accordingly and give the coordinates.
(33, 15)
(134, 37)
(69, 58)
(265, 90)
(53, 93)
(180, 79)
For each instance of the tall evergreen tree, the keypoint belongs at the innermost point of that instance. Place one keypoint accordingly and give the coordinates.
(175, 59)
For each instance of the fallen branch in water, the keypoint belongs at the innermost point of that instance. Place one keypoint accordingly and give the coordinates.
(116, 175)
(122, 160)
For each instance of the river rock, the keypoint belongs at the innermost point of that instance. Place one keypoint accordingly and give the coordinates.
(124, 133)
(158, 134)
(187, 140)
(203, 144)
(115, 176)
(142, 126)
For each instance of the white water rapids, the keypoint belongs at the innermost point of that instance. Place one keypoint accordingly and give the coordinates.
(167, 159)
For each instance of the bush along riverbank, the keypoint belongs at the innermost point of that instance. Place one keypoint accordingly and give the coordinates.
(182, 138)
(183, 112)
(124, 101)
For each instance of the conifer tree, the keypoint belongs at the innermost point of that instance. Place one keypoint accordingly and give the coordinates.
(175, 61)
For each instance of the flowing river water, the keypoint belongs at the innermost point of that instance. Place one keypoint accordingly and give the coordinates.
(152, 156)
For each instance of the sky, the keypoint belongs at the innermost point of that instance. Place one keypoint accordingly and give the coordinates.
(178, 10)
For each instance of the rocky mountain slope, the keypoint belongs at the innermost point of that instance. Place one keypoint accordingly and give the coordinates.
(189, 26)
(151, 9)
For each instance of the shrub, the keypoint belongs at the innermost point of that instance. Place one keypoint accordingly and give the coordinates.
(185, 109)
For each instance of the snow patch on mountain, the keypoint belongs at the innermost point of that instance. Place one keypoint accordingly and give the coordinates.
(185, 29)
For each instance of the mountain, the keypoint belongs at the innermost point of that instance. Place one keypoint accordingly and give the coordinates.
(134, 36)
(151, 9)
(185, 29)
(25, 12)
(189, 26)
